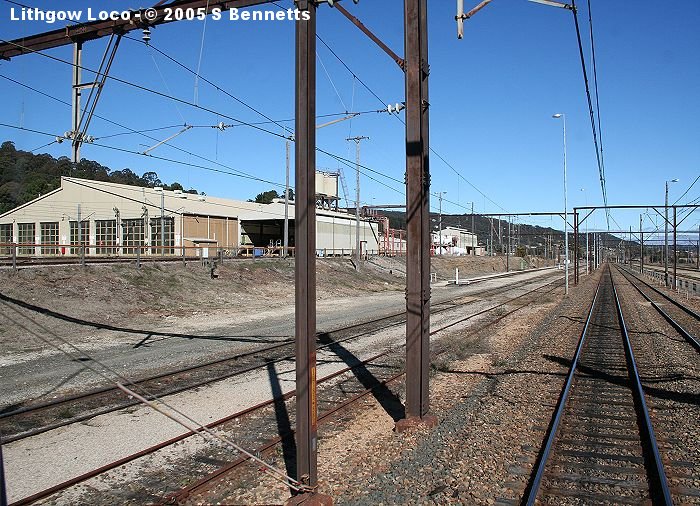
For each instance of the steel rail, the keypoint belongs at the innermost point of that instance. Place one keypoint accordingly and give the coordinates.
(686, 335)
(221, 377)
(107, 467)
(53, 403)
(554, 425)
(188, 490)
(672, 300)
(147, 451)
(658, 474)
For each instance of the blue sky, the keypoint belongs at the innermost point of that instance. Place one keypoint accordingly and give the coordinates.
(492, 96)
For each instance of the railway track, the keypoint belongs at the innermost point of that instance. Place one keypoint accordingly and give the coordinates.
(682, 318)
(601, 447)
(35, 418)
(367, 377)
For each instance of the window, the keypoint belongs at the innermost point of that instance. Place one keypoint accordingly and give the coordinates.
(26, 235)
(156, 237)
(106, 236)
(6, 238)
(132, 235)
(49, 235)
(84, 236)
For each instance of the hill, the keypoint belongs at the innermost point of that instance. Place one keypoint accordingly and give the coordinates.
(522, 234)
(25, 176)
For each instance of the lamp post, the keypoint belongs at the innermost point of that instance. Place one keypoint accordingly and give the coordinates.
(440, 194)
(666, 234)
(474, 243)
(566, 231)
(585, 199)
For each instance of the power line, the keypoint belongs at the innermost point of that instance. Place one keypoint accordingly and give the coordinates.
(193, 105)
(145, 89)
(591, 113)
(204, 167)
(241, 122)
(686, 192)
(432, 150)
(124, 150)
(595, 85)
(236, 172)
(218, 88)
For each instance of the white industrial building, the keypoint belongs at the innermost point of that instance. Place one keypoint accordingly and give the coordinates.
(455, 241)
(123, 220)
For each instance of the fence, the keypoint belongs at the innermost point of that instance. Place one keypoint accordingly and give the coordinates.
(689, 285)
(51, 254)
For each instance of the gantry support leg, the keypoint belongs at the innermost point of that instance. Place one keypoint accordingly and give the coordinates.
(305, 258)
(418, 217)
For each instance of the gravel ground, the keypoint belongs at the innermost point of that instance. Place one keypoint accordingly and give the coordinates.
(42, 460)
(490, 383)
(670, 373)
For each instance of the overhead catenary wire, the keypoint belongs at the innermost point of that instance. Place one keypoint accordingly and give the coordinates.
(181, 162)
(180, 125)
(686, 192)
(601, 172)
(432, 150)
(144, 88)
(240, 122)
(595, 84)
(330, 79)
(202, 78)
(165, 83)
(235, 172)
(201, 55)
(124, 150)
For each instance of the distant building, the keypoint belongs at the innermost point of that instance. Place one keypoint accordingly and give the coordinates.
(123, 220)
(455, 241)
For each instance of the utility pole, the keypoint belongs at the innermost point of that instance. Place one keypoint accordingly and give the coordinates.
(666, 237)
(491, 237)
(162, 222)
(474, 232)
(440, 194)
(418, 216)
(286, 200)
(596, 252)
(666, 232)
(80, 238)
(357, 140)
(675, 251)
(508, 248)
(588, 264)
(76, 94)
(641, 246)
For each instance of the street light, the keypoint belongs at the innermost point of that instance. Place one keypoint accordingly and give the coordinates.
(566, 230)
(585, 199)
(440, 194)
(666, 234)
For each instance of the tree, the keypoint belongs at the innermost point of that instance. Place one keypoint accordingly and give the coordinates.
(266, 197)
(24, 176)
(151, 179)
